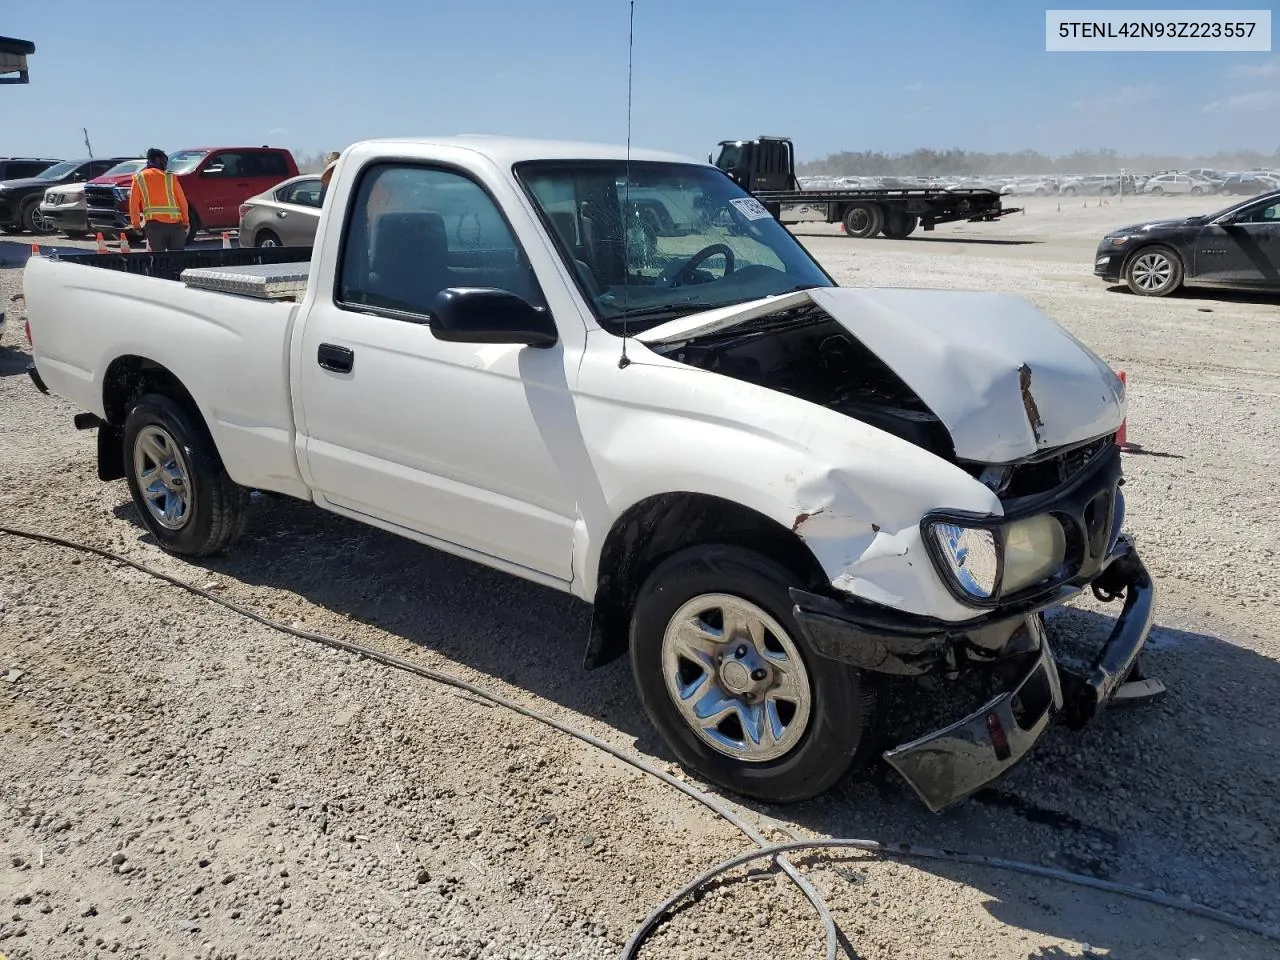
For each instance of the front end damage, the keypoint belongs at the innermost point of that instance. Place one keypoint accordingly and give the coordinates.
(1007, 638)
(1020, 419)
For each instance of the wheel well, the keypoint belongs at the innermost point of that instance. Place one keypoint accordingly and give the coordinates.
(652, 530)
(130, 377)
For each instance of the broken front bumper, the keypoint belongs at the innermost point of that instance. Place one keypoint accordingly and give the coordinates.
(951, 764)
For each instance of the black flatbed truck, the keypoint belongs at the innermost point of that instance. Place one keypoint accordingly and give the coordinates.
(765, 167)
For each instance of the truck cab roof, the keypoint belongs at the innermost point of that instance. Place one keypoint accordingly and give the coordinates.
(505, 150)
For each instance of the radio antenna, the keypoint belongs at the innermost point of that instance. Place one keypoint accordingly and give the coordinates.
(623, 361)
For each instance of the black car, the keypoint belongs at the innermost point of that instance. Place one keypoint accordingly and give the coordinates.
(1246, 184)
(18, 168)
(20, 199)
(1237, 247)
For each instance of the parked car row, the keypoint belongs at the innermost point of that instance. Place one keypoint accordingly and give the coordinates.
(80, 197)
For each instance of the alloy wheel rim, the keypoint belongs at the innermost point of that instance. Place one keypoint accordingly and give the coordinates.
(163, 477)
(1152, 271)
(736, 678)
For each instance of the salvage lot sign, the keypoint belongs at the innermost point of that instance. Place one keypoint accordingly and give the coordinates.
(1170, 31)
(13, 59)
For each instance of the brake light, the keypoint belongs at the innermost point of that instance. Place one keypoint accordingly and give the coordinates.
(27, 326)
(245, 208)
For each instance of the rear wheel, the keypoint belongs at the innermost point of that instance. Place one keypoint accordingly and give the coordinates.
(898, 226)
(729, 681)
(1107, 192)
(177, 480)
(1197, 191)
(1157, 190)
(863, 220)
(1068, 191)
(267, 238)
(1153, 272)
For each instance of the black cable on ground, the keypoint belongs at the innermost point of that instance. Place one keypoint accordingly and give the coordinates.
(772, 851)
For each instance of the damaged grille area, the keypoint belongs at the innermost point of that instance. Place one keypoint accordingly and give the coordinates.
(804, 352)
(1045, 473)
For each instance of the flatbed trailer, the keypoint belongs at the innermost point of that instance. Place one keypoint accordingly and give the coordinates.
(766, 167)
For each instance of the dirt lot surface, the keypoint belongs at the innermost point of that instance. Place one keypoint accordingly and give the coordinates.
(181, 782)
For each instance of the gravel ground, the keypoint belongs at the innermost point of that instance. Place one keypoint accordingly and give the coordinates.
(182, 782)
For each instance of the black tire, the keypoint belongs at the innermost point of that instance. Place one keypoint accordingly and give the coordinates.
(1157, 190)
(33, 221)
(1068, 191)
(1041, 191)
(863, 219)
(267, 238)
(1107, 192)
(899, 226)
(1197, 191)
(842, 707)
(1147, 265)
(217, 507)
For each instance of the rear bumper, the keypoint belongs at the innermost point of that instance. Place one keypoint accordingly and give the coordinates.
(950, 764)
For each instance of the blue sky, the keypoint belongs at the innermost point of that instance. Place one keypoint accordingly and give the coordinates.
(833, 74)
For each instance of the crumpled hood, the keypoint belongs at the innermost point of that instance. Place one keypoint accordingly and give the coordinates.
(1005, 380)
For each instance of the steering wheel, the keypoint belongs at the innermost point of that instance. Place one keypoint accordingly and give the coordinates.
(678, 274)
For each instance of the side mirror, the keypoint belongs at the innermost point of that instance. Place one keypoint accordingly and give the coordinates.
(488, 315)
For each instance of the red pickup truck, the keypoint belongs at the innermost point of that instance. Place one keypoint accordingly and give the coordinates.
(216, 181)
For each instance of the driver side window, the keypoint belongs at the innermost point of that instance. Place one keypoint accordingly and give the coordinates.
(1269, 214)
(417, 230)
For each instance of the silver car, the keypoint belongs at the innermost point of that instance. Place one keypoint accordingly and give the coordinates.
(286, 215)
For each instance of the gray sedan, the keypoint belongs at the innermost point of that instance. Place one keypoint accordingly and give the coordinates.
(285, 215)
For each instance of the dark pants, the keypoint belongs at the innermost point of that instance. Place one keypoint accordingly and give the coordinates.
(165, 236)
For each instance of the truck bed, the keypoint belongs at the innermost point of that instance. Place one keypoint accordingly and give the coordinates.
(169, 264)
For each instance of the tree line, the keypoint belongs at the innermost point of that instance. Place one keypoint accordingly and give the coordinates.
(925, 162)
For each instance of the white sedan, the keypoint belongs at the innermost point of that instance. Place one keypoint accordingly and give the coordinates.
(1176, 183)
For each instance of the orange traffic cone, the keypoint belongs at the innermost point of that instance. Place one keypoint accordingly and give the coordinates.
(1122, 435)
(35, 249)
(226, 240)
(102, 243)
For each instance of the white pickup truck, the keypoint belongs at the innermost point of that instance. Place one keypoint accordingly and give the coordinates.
(618, 376)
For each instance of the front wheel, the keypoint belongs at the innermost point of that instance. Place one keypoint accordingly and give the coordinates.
(729, 681)
(863, 219)
(177, 480)
(36, 220)
(1153, 272)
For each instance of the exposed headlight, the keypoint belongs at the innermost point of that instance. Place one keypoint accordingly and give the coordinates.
(1009, 558)
(1119, 241)
(1033, 550)
(971, 554)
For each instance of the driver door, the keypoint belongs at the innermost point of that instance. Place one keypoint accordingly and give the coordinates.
(1244, 252)
(451, 441)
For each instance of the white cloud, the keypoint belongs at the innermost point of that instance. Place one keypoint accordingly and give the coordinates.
(1271, 68)
(913, 87)
(1256, 102)
(1130, 96)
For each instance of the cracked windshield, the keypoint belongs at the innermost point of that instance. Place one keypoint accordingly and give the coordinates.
(667, 241)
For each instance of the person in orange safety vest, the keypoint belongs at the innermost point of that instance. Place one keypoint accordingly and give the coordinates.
(157, 205)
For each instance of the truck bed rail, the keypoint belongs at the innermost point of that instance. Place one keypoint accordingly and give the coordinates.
(169, 264)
